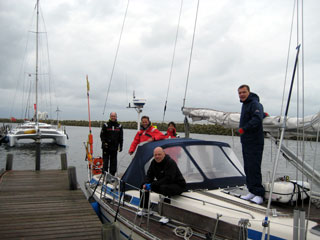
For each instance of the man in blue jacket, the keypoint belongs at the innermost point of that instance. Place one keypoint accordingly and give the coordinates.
(252, 140)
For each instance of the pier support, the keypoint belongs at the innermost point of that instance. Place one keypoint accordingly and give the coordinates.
(9, 162)
(38, 153)
(72, 176)
(64, 161)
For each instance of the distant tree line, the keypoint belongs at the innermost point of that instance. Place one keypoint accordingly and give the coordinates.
(194, 128)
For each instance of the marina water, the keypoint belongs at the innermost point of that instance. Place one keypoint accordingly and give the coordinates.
(24, 153)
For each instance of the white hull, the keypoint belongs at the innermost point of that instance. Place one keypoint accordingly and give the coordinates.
(194, 207)
(212, 205)
(30, 130)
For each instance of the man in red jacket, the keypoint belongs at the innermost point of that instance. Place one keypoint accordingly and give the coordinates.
(147, 133)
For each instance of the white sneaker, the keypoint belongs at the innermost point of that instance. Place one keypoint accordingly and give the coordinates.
(248, 196)
(257, 200)
(164, 220)
(142, 212)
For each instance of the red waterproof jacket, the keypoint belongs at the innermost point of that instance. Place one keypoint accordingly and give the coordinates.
(144, 135)
(172, 134)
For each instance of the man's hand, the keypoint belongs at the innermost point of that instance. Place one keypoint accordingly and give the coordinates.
(130, 153)
(120, 149)
(240, 131)
(147, 186)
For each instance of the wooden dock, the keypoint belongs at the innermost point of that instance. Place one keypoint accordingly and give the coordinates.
(39, 205)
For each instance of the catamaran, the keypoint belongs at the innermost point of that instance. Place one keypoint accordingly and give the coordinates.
(35, 129)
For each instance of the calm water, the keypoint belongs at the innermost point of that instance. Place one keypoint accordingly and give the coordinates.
(24, 153)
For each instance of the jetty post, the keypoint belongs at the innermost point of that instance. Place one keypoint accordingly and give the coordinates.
(38, 153)
(9, 162)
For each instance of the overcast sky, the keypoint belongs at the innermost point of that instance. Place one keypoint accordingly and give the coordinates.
(236, 42)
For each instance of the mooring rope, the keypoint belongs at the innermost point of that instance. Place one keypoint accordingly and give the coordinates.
(183, 232)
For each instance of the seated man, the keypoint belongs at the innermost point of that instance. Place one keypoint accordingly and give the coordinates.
(163, 177)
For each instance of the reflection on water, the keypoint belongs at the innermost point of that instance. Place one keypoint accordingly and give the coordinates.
(24, 154)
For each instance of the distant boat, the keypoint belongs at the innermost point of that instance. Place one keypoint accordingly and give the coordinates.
(34, 129)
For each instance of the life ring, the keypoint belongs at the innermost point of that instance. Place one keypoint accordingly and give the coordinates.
(97, 164)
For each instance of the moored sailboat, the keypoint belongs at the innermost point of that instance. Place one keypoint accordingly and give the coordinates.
(34, 129)
(212, 207)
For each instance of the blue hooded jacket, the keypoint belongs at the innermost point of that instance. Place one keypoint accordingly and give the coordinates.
(251, 121)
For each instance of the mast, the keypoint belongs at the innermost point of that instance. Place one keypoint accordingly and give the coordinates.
(37, 59)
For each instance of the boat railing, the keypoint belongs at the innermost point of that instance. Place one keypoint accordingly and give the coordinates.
(107, 178)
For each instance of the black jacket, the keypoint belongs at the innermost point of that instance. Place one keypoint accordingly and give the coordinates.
(112, 135)
(165, 172)
(251, 120)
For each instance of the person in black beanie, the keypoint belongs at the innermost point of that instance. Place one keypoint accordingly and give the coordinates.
(112, 140)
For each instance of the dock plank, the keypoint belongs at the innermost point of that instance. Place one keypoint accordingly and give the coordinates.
(39, 205)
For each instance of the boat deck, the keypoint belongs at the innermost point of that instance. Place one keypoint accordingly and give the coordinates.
(39, 205)
(154, 227)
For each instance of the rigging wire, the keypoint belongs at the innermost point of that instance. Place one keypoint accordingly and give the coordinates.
(49, 67)
(312, 180)
(275, 165)
(288, 57)
(21, 75)
(191, 51)
(115, 58)
(173, 57)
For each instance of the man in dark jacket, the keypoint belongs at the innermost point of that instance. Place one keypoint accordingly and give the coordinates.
(252, 140)
(112, 140)
(164, 177)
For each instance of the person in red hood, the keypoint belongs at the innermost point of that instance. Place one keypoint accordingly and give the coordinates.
(147, 133)
(171, 132)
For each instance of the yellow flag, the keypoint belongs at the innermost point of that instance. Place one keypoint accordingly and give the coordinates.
(88, 85)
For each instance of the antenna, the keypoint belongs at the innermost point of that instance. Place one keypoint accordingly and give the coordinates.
(137, 104)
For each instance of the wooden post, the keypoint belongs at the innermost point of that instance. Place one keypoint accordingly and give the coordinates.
(72, 176)
(38, 153)
(64, 161)
(110, 231)
(9, 162)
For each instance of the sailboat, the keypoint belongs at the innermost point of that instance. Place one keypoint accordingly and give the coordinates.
(211, 208)
(34, 129)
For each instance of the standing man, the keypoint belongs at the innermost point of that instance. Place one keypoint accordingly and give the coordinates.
(252, 140)
(147, 133)
(112, 140)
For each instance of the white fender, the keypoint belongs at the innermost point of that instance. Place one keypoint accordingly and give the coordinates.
(286, 191)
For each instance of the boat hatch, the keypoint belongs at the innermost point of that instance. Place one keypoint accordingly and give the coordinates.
(204, 164)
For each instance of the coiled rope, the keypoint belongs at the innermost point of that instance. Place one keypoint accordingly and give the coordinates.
(183, 232)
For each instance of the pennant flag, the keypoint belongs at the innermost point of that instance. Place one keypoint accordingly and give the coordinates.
(88, 85)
